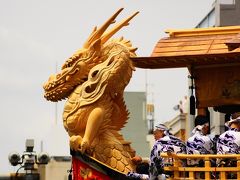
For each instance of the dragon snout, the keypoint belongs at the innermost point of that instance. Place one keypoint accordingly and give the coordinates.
(50, 79)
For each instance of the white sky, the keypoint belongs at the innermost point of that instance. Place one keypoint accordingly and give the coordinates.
(37, 35)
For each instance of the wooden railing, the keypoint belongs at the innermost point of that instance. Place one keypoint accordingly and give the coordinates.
(179, 170)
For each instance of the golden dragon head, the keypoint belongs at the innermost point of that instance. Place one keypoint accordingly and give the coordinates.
(75, 70)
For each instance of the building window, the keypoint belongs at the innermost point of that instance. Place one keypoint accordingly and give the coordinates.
(208, 21)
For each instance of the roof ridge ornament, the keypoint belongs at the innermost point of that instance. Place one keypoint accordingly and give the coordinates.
(203, 31)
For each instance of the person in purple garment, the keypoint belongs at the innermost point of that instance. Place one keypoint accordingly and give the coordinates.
(229, 141)
(200, 142)
(141, 172)
(165, 142)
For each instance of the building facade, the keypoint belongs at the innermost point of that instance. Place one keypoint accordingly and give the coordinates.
(223, 13)
(58, 168)
(136, 129)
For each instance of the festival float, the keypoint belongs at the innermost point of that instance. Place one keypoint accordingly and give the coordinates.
(212, 58)
(93, 80)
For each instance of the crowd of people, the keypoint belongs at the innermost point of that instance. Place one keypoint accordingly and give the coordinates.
(200, 142)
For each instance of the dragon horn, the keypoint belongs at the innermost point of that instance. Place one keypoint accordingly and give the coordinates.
(111, 32)
(96, 34)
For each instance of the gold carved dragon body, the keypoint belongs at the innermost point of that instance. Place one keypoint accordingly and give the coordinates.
(93, 80)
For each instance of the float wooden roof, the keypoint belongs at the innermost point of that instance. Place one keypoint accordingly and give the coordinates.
(194, 47)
